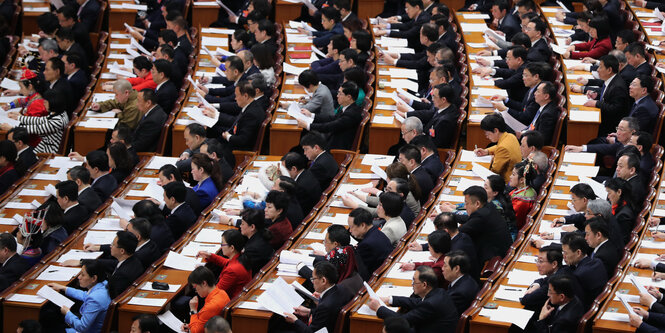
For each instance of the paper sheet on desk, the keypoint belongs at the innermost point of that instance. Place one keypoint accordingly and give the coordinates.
(33, 193)
(147, 301)
(583, 157)
(193, 248)
(196, 114)
(9, 84)
(78, 255)
(159, 161)
(580, 170)
(509, 293)
(615, 316)
(55, 297)
(206, 235)
(293, 258)
(396, 273)
(470, 156)
(375, 159)
(294, 111)
(280, 297)
(107, 224)
(372, 295)
(473, 27)
(101, 97)
(577, 99)
(23, 298)
(404, 84)
(99, 237)
(169, 319)
(581, 115)
(180, 262)
(63, 162)
(522, 278)
(516, 316)
(20, 205)
(416, 256)
(108, 123)
(391, 41)
(58, 273)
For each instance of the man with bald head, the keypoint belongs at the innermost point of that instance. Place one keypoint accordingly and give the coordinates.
(123, 104)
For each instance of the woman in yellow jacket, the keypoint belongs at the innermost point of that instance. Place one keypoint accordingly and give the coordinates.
(507, 149)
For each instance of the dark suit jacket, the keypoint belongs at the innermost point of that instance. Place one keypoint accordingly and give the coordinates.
(28, 158)
(626, 219)
(510, 26)
(148, 253)
(104, 186)
(489, 232)
(324, 168)
(324, 315)
(435, 313)
(89, 15)
(258, 252)
(425, 182)
(78, 49)
(449, 39)
(63, 88)
(546, 121)
(523, 111)
(609, 254)
(564, 320)
(511, 80)
(614, 105)
(294, 213)
(244, 130)
(589, 274)
(322, 38)
(540, 51)
(373, 249)
(147, 132)
(463, 292)
(166, 96)
(13, 268)
(90, 199)
(340, 128)
(180, 220)
(79, 81)
(410, 30)
(638, 188)
(646, 112)
(417, 61)
(654, 323)
(432, 164)
(74, 217)
(124, 276)
(161, 235)
(464, 243)
(605, 148)
(308, 191)
(442, 127)
(534, 301)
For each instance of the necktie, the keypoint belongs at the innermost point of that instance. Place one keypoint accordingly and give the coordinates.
(632, 109)
(532, 126)
(602, 91)
(338, 110)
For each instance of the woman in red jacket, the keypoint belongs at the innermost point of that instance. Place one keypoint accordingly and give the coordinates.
(599, 45)
(439, 245)
(279, 225)
(235, 274)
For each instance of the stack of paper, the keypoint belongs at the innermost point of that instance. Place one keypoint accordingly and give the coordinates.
(181, 262)
(99, 237)
(78, 255)
(280, 298)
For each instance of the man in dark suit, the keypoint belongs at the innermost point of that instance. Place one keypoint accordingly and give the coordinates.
(628, 169)
(430, 156)
(636, 57)
(147, 251)
(540, 50)
(168, 174)
(265, 34)
(183, 47)
(418, 61)
(447, 35)
(441, 128)
(148, 131)
(547, 116)
(644, 141)
(343, 126)
(322, 164)
(589, 272)
(504, 22)
(182, 216)
(549, 263)
(563, 309)
(429, 310)
(597, 236)
(26, 156)
(308, 189)
(484, 225)
(214, 149)
(410, 156)
(166, 91)
(127, 267)
(344, 7)
(68, 19)
(459, 241)
(13, 265)
(644, 109)
(86, 194)
(74, 213)
(331, 24)
(104, 183)
(463, 288)
(408, 29)
(228, 104)
(56, 83)
(235, 68)
(324, 315)
(373, 245)
(240, 132)
(524, 111)
(88, 13)
(330, 70)
(613, 99)
(67, 44)
(621, 138)
(76, 75)
(160, 233)
(509, 79)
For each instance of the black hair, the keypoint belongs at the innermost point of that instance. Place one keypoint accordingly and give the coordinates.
(48, 23)
(121, 157)
(493, 121)
(574, 241)
(582, 190)
(360, 217)
(201, 274)
(210, 167)
(439, 241)
(267, 26)
(498, 185)
(645, 140)
(519, 52)
(81, 173)
(338, 233)
(325, 269)
(280, 200)
(610, 61)
(7, 241)
(396, 325)
(141, 62)
(147, 322)
(163, 66)
(430, 31)
(553, 254)
(196, 129)
(127, 241)
(410, 152)
(562, 284)
(176, 190)
(95, 268)
(149, 96)
(445, 221)
(534, 139)
(308, 78)
(616, 184)
(331, 13)
(312, 139)
(646, 82)
(427, 276)
(477, 193)
(598, 224)
(356, 75)
(339, 42)
(246, 88)
(74, 58)
(8, 150)
(68, 189)
(392, 203)
(142, 226)
(363, 40)
(424, 141)
(602, 26)
(97, 159)
(170, 170)
(525, 169)
(262, 56)
(66, 34)
(459, 259)
(294, 159)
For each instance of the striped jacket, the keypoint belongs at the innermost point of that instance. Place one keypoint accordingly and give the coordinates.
(49, 128)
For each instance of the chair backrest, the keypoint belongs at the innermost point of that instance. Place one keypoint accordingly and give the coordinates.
(658, 128)
(262, 131)
(458, 129)
(361, 127)
(342, 156)
(64, 142)
(161, 144)
(558, 127)
(15, 16)
(102, 12)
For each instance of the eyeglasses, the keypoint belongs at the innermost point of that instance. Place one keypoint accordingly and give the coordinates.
(621, 129)
(413, 283)
(223, 244)
(314, 278)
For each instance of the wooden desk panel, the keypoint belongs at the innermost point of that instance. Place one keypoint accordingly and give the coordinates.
(286, 11)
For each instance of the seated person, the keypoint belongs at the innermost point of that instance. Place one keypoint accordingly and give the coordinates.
(547, 115)
(215, 299)
(642, 140)
(96, 299)
(394, 185)
(74, 213)
(438, 244)
(8, 173)
(215, 151)
(389, 209)
(68, 45)
(278, 223)
(623, 206)
(182, 216)
(324, 315)
(166, 91)
(540, 164)
(549, 264)
(506, 151)
(120, 161)
(644, 109)
(86, 194)
(235, 272)
(206, 172)
(56, 82)
(147, 250)
(169, 173)
(410, 156)
(321, 101)
(430, 159)
(597, 234)
(599, 45)
(13, 265)
(432, 310)
(331, 64)
(530, 143)
(149, 129)
(509, 78)
(143, 70)
(627, 169)
(523, 196)
(194, 135)
(124, 105)
(614, 141)
(463, 288)
(411, 22)
(49, 128)
(97, 163)
(160, 233)
(53, 231)
(563, 310)
(323, 165)
(25, 155)
(265, 34)
(373, 245)
(589, 272)
(126, 267)
(31, 86)
(75, 69)
(257, 249)
(308, 192)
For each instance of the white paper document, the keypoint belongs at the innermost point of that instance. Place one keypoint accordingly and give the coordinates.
(55, 297)
(180, 262)
(99, 237)
(159, 161)
(280, 298)
(169, 319)
(9, 84)
(78, 255)
(147, 301)
(58, 273)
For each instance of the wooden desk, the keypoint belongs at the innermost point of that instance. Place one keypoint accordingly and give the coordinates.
(286, 11)
(119, 16)
(30, 13)
(204, 13)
